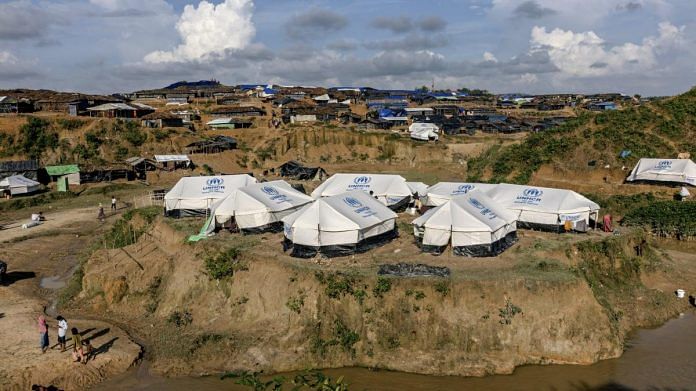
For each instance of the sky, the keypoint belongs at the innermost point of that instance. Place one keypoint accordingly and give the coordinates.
(643, 47)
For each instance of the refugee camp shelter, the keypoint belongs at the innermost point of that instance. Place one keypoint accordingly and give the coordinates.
(257, 207)
(19, 185)
(193, 196)
(339, 225)
(140, 166)
(545, 208)
(230, 123)
(472, 223)
(296, 170)
(173, 162)
(162, 119)
(66, 172)
(390, 190)
(681, 171)
(26, 168)
(424, 131)
(215, 144)
(442, 192)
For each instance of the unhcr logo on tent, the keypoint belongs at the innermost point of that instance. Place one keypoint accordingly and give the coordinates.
(463, 189)
(530, 196)
(476, 203)
(664, 165)
(484, 210)
(214, 185)
(352, 202)
(269, 190)
(274, 194)
(359, 207)
(361, 182)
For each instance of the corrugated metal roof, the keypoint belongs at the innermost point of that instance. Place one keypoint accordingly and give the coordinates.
(62, 170)
(19, 165)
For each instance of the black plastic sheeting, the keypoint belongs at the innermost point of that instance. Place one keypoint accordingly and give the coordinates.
(478, 250)
(341, 250)
(179, 213)
(413, 270)
(233, 227)
(401, 205)
(106, 175)
(298, 171)
(541, 227)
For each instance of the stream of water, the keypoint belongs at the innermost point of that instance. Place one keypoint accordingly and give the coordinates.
(658, 359)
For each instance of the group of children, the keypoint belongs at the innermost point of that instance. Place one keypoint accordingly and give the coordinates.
(82, 349)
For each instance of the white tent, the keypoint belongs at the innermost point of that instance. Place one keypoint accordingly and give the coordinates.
(545, 208)
(339, 225)
(664, 170)
(391, 190)
(424, 131)
(18, 184)
(193, 195)
(419, 188)
(257, 207)
(473, 223)
(442, 192)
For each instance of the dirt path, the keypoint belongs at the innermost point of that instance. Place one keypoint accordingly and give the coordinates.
(54, 221)
(40, 262)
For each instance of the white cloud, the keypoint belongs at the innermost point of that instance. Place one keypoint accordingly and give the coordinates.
(585, 53)
(7, 58)
(13, 69)
(209, 30)
(488, 56)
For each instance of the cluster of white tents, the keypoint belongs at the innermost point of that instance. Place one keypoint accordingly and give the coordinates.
(534, 207)
(19, 185)
(350, 213)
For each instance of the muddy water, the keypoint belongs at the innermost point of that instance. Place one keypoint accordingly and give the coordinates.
(662, 358)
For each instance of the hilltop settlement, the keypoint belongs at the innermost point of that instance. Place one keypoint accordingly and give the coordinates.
(202, 228)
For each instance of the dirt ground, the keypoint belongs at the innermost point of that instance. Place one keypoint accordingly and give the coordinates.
(41, 260)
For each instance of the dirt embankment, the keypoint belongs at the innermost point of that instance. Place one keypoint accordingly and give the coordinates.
(41, 261)
(282, 314)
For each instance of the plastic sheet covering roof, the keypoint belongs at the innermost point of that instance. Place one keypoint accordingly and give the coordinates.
(200, 192)
(172, 158)
(664, 170)
(259, 204)
(389, 189)
(541, 199)
(442, 192)
(342, 219)
(62, 170)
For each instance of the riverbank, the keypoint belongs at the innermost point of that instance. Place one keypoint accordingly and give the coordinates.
(660, 358)
(552, 299)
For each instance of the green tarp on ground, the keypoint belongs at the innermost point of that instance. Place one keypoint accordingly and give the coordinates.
(62, 170)
(202, 234)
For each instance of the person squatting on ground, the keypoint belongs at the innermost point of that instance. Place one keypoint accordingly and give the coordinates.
(78, 352)
(62, 330)
(43, 334)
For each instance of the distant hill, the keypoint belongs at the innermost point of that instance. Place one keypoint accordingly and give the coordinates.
(662, 128)
(193, 84)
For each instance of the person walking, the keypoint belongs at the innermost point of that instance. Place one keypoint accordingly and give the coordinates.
(113, 203)
(78, 352)
(43, 334)
(101, 216)
(62, 330)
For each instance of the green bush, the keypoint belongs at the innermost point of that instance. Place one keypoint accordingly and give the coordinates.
(180, 318)
(442, 287)
(134, 134)
(508, 312)
(223, 264)
(665, 218)
(383, 286)
(36, 136)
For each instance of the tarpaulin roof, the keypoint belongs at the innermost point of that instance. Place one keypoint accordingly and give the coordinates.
(62, 170)
(19, 165)
(389, 189)
(345, 218)
(664, 170)
(199, 192)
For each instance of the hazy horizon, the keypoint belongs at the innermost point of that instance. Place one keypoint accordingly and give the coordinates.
(536, 46)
